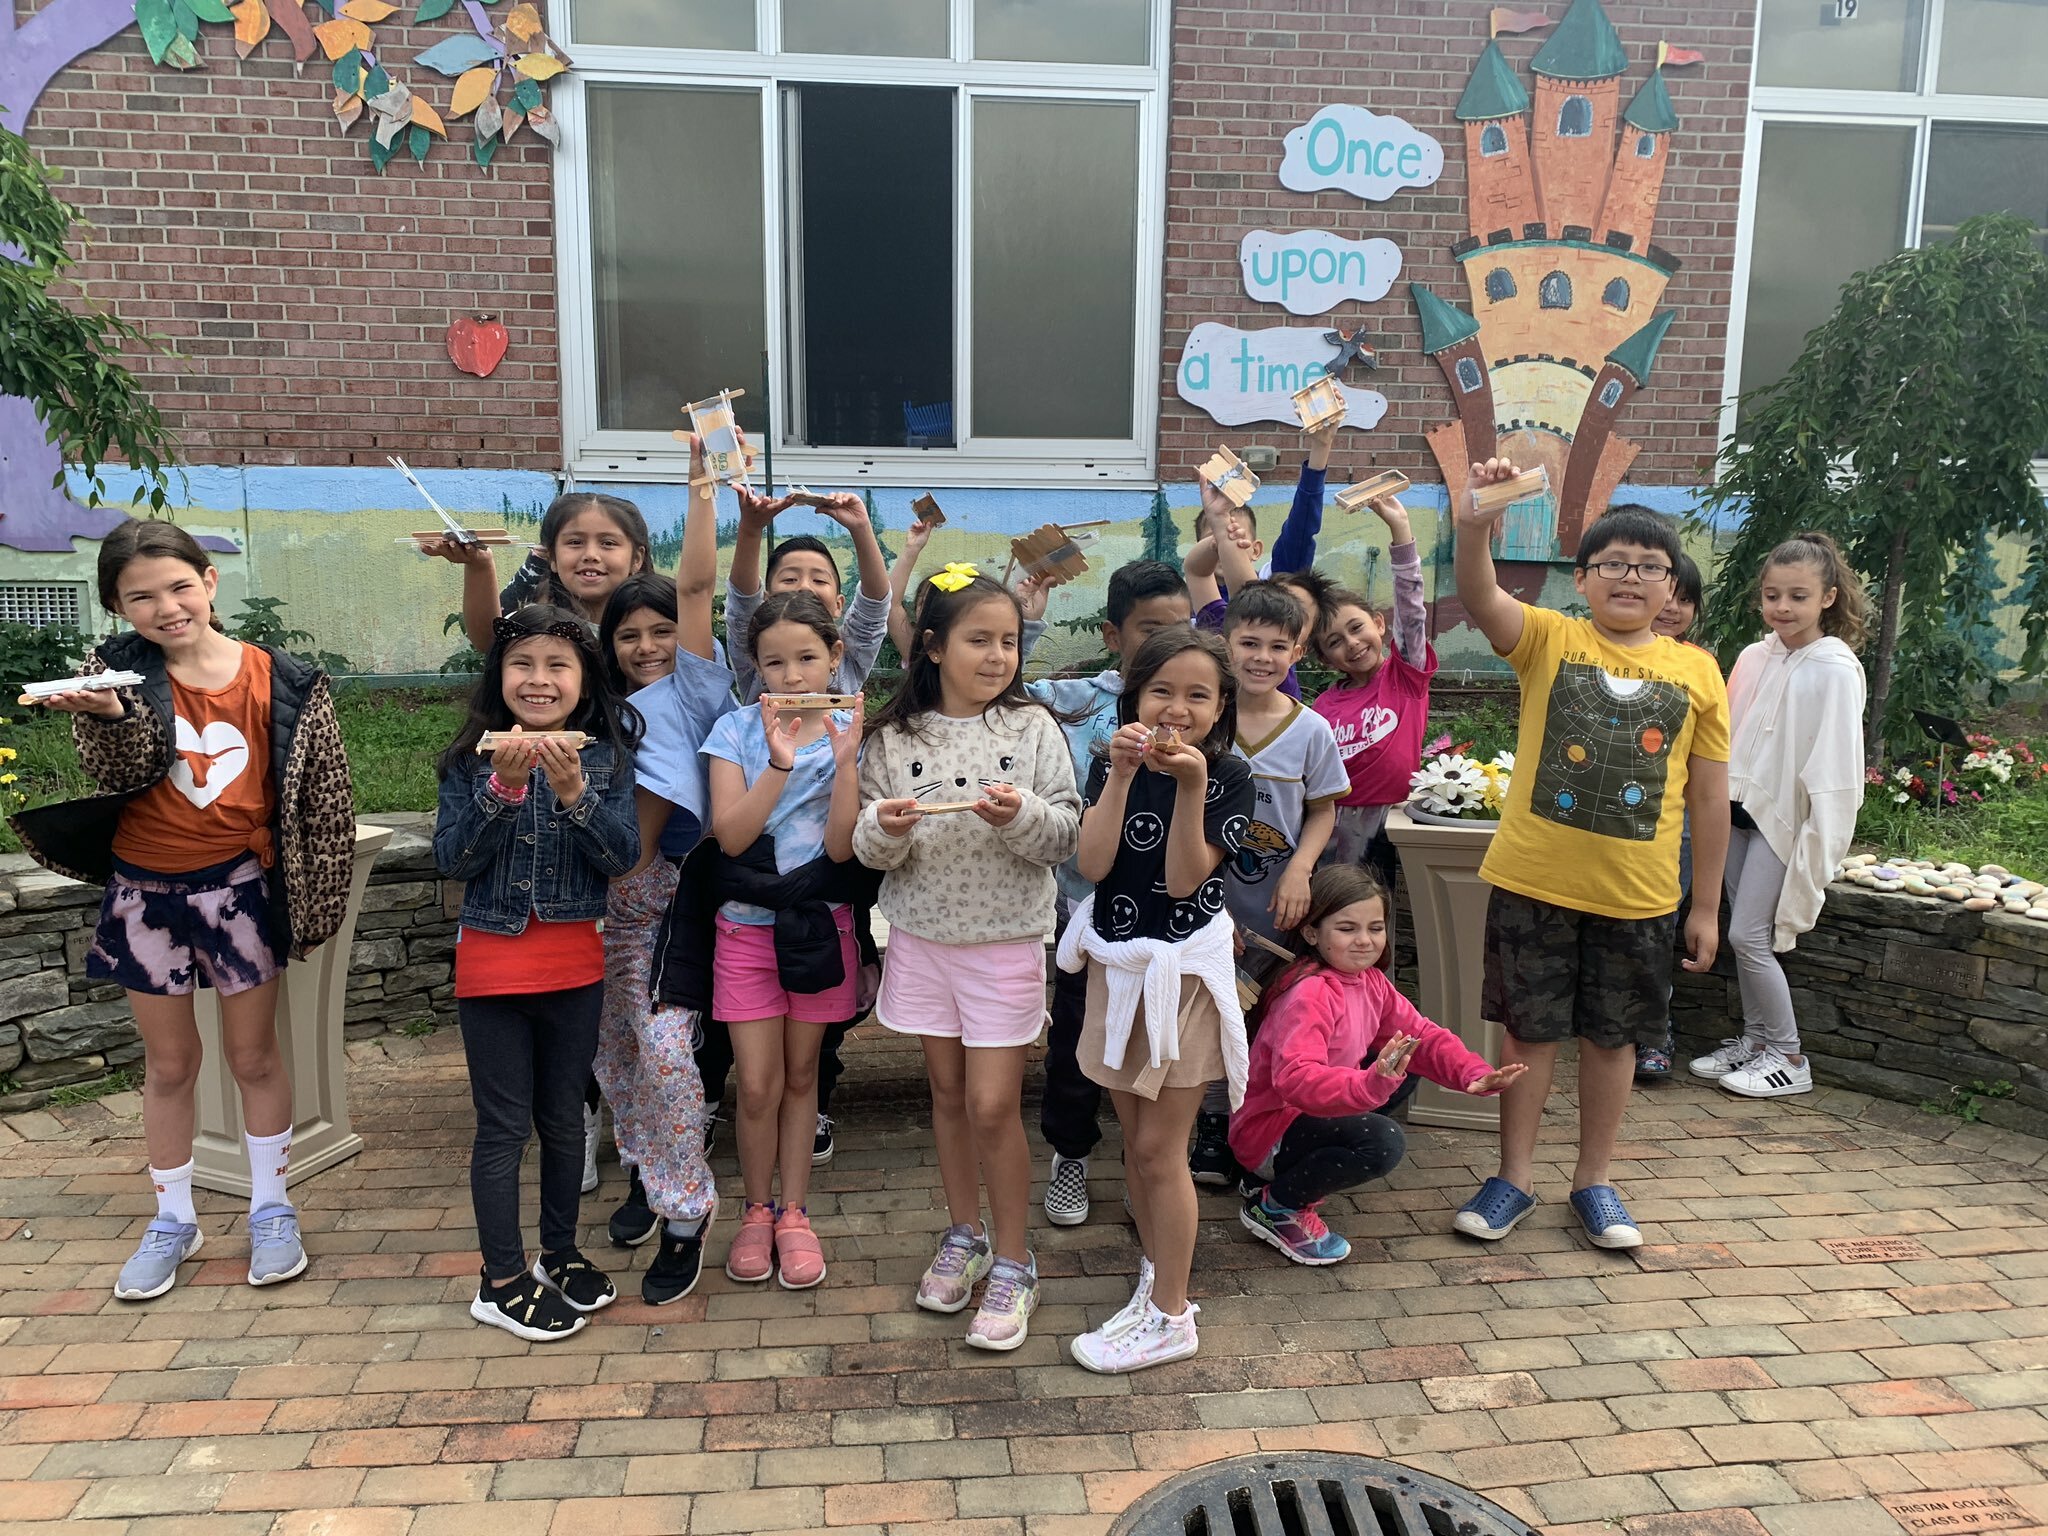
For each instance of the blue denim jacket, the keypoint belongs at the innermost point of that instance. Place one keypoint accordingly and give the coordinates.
(536, 857)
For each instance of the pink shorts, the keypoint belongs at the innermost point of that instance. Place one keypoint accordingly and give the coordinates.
(986, 995)
(745, 986)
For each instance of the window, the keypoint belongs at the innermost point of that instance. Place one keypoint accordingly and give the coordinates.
(1646, 146)
(1493, 140)
(1993, 48)
(1615, 294)
(930, 271)
(1468, 375)
(1610, 393)
(1804, 43)
(1500, 284)
(1575, 118)
(1555, 292)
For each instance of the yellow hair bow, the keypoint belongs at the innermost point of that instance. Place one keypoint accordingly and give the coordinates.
(956, 575)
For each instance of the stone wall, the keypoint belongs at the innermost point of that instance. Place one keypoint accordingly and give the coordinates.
(1906, 998)
(56, 1028)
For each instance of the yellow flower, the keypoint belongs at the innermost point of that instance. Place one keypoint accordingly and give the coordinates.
(8, 778)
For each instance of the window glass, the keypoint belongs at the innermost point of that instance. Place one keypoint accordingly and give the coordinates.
(1500, 284)
(1468, 375)
(677, 251)
(1610, 393)
(1803, 42)
(722, 24)
(1055, 268)
(1493, 140)
(1063, 31)
(1974, 168)
(1575, 118)
(1615, 294)
(1646, 146)
(1831, 201)
(912, 29)
(1555, 292)
(1994, 48)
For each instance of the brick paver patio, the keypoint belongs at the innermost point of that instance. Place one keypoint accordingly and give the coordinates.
(1735, 1377)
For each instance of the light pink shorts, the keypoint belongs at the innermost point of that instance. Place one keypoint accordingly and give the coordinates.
(986, 995)
(745, 985)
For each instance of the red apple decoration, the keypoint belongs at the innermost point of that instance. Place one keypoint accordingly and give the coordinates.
(476, 344)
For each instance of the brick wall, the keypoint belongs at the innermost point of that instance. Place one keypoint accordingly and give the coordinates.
(1243, 75)
(307, 295)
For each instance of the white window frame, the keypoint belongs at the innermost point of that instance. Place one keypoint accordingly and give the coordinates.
(1917, 110)
(590, 453)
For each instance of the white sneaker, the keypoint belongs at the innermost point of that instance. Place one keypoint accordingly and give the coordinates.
(590, 1119)
(1155, 1339)
(1066, 1192)
(1732, 1054)
(1769, 1076)
(1133, 1311)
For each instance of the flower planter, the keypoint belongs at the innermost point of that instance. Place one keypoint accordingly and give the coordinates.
(1440, 855)
(309, 1033)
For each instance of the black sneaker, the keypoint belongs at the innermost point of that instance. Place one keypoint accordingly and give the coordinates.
(821, 1144)
(634, 1221)
(1210, 1161)
(525, 1307)
(677, 1264)
(576, 1280)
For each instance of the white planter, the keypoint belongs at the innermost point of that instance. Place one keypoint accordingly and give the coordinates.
(1441, 855)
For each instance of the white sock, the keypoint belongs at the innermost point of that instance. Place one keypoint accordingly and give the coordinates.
(174, 1193)
(269, 1156)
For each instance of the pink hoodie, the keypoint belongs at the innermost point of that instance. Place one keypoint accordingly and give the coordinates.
(1306, 1059)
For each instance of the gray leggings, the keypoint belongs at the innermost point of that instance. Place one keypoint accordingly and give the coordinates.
(1754, 880)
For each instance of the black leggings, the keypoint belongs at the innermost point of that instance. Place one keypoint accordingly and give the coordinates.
(1070, 1114)
(1320, 1158)
(529, 1058)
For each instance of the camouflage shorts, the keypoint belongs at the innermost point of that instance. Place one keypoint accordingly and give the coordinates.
(1555, 972)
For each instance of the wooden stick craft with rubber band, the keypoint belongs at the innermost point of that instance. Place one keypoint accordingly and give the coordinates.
(801, 703)
(728, 459)
(1357, 497)
(35, 693)
(490, 741)
(496, 538)
(1503, 494)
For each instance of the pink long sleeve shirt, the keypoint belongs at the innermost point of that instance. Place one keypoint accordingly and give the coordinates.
(1307, 1057)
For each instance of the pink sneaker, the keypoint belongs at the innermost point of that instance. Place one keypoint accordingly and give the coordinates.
(1153, 1339)
(797, 1254)
(751, 1257)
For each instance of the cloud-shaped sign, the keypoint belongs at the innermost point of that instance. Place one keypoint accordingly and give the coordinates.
(1311, 271)
(1359, 152)
(1240, 377)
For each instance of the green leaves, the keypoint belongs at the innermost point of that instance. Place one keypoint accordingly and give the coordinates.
(158, 26)
(433, 10)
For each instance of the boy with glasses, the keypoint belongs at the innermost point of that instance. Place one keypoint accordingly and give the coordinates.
(1622, 730)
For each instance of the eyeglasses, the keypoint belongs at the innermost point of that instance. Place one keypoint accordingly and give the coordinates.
(1614, 570)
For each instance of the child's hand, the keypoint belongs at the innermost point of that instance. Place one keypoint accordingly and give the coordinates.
(846, 743)
(781, 736)
(455, 551)
(1127, 748)
(1183, 761)
(1702, 938)
(1388, 509)
(563, 765)
(999, 804)
(1393, 1058)
(1290, 899)
(1216, 507)
(512, 760)
(1497, 1079)
(756, 511)
(1492, 472)
(897, 817)
(1032, 596)
(915, 537)
(847, 510)
(103, 702)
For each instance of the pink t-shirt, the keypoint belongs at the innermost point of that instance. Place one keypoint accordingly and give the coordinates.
(1379, 726)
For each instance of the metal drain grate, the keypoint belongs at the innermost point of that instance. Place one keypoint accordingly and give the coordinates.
(1321, 1493)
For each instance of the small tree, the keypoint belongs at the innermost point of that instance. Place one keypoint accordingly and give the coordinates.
(1907, 429)
(64, 360)
(1162, 538)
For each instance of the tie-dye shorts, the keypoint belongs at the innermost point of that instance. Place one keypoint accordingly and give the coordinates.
(167, 935)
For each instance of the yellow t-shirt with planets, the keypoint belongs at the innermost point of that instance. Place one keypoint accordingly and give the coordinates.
(1597, 803)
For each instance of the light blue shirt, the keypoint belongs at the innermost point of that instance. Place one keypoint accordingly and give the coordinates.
(1095, 700)
(798, 821)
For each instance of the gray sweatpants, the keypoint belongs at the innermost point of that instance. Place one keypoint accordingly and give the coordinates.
(1754, 880)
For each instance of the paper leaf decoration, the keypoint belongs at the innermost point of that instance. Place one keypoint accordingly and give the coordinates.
(420, 140)
(181, 54)
(482, 150)
(543, 122)
(348, 72)
(380, 154)
(210, 10)
(159, 27)
(456, 55)
(472, 90)
(490, 119)
(347, 109)
(522, 22)
(525, 96)
(539, 66)
(395, 104)
(252, 25)
(372, 11)
(426, 117)
(337, 37)
(185, 19)
(290, 17)
(433, 10)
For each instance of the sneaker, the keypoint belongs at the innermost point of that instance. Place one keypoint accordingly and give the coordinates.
(576, 1280)
(1300, 1234)
(751, 1257)
(1132, 1312)
(275, 1252)
(1606, 1220)
(821, 1144)
(963, 1258)
(1769, 1075)
(1210, 1162)
(1066, 1192)
(710, 1123)
(1732, 1054)
(799, 1261)
(1492, 1213)
(678, 1263)
(590, 1119)
(1155, 1339)
(634, 1221)
(165, 1245)
(1004, 1318)
(526, 1308)
(1653, 1063)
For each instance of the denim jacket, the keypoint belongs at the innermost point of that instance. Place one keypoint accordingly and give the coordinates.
(536, 857)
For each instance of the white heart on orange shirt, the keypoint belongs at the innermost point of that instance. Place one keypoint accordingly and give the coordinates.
(208, 761)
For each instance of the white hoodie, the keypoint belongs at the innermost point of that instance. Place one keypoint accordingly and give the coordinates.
(1796, 764)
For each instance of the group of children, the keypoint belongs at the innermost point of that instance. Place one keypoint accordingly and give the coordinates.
(681, 890)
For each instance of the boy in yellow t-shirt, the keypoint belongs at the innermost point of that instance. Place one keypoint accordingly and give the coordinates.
(1622, 731)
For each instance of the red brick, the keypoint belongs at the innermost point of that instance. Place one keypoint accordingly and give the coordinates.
(1914, 1398)
(509, 1442)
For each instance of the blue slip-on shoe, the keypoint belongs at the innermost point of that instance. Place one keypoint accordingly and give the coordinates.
(1606, 1220)
(1492, 1213)
(165, 1245)
(275, 1252)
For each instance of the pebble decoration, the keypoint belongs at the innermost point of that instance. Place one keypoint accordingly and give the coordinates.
(1987, 888)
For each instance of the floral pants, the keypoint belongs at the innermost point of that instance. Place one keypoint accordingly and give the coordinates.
(644, 1062)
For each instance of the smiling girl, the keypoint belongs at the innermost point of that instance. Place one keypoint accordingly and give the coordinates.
(589, 544)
